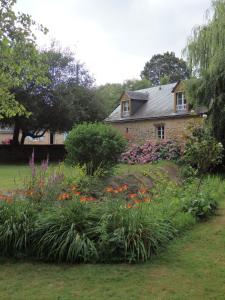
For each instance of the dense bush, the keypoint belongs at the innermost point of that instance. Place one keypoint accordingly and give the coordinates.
(202, 152)
(200, 207)
(149, 152)
(94, 146)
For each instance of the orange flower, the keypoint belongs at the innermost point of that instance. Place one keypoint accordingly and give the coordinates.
(147, 199)
(63, 196)
(91, 199)
(129, 205)
(83, 199)
(109, 189)
(136, 201)
(124, 187)
(143, 191)
(77, 193)
(132, 196)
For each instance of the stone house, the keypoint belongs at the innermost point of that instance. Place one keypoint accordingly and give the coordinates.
(6, 134)
(156, 113)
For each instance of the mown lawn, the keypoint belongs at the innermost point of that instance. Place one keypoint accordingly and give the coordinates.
(193, 267)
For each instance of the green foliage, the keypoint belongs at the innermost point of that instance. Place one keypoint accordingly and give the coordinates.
(90, 185)
(205, 53)
(20, 62)
(135, 84)
(64, 235)
(187, 172)
(109, 94)
(202, 151)
(132, 235)
(201, 207)
(165, 68)
(66, 98)
(94, 146)
(16, 227)
(106, 230)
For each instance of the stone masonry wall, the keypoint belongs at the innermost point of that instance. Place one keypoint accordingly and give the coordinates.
(141, 131)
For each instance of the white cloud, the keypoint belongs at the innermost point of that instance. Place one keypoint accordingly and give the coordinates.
(115, 38)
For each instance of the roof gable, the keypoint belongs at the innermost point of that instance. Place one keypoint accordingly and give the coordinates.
(158, 101)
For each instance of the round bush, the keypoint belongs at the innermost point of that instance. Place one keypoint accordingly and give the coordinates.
(94, 146)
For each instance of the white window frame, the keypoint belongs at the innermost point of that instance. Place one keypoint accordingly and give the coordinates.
(160, 131)
(125, 108)
(181, 103)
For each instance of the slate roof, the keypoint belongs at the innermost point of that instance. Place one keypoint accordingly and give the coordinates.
(137, 95)
(159, 104)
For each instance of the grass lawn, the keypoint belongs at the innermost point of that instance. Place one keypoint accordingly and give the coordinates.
(193, 267)
(14, 176)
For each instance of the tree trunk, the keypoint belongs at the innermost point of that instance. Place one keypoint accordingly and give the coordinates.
(51, 138)
(22, 140)
(16, 133)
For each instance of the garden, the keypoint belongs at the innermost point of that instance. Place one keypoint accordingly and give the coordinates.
(100, 217)
(118, 219)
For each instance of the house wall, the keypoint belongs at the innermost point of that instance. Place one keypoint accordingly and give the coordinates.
(45, 140)
(175, 129)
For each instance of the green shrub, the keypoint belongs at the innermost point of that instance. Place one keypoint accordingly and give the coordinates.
(94, 146)
(202, 207)
(202, 151)
(188, 173)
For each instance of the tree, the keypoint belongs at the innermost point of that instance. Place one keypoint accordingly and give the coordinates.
(166, 68)
(205, 52)
(19, 59)
(136, 84)
(109, 94)
(67, 98)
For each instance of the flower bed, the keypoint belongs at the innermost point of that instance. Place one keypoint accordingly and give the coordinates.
(150, 152)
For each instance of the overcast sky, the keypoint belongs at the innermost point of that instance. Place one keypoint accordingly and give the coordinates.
(114, 38)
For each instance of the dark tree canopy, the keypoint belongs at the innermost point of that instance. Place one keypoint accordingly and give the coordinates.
(206, 57)
(165, 68)
(65, 99)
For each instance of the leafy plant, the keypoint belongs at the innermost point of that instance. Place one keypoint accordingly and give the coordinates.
(16, 226)
(94, 146)
(65, 235)
(201, 208)
(202, 152)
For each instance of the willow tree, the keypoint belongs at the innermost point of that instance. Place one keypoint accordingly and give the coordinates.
(206, 57)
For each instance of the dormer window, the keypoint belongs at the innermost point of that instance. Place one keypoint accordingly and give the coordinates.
(125, 108)
(181, 103)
